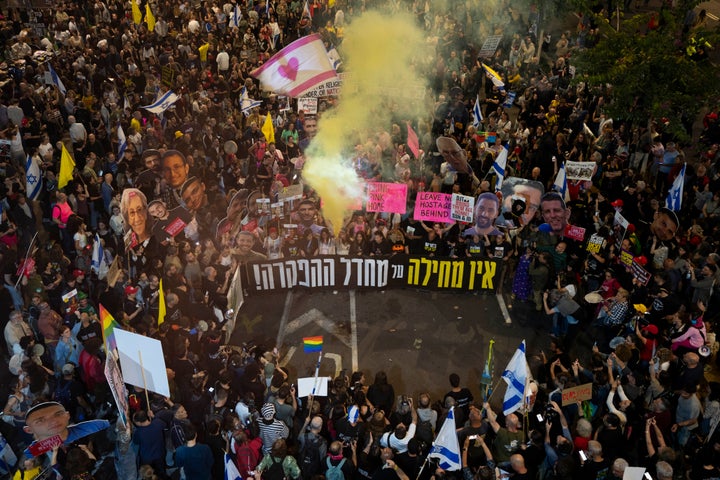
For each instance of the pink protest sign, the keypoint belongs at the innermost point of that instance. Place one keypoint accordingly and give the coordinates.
(386, 197)
(433, 207)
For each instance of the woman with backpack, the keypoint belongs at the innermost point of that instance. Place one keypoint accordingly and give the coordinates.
(277, 465)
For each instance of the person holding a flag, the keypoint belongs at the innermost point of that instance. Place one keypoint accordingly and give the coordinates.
(509, 438)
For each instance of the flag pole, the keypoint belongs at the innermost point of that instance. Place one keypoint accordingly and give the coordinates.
(142, 370)
(27, 254)
(315, 382)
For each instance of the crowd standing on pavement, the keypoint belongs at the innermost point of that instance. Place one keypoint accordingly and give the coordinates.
(180, 205)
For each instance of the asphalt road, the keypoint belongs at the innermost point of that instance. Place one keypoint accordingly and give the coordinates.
(417, 337)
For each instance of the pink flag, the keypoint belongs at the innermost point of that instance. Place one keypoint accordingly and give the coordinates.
(297, 68)
(412, 141)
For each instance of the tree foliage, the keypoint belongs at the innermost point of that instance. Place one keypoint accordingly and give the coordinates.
(649, 71)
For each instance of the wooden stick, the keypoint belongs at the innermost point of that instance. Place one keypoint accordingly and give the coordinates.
(142, 370)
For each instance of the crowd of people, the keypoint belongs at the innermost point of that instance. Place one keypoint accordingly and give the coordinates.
(198, 192)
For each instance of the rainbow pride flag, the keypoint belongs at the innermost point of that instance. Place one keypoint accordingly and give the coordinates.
(312, 344)
(108, 324)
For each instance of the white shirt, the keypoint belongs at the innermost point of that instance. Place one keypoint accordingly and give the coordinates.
(223, 61)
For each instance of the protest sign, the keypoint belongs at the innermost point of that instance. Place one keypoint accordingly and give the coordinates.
(386, 197)
(639, 272)
(579, 170)
(142, 361)
(626, 258)
(575, 232)
(306, 385)
(462, 208)
(576, 394)
(433, 207)
(595, 243)
(117, 387)
(308, 105)
(44, 446)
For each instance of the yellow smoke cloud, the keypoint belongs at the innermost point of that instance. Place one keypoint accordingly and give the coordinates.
(380, 53)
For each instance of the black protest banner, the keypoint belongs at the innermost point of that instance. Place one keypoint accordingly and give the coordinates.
(400, 271)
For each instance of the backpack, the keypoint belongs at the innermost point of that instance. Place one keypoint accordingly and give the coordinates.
(310, 461)
(424, 432)
(63, 395)
(275, 472)
(334, 472)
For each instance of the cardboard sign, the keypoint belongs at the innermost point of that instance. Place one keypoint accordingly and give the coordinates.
(462, 208)
(595, 243)
(576, 394)
(386, 197)
(44, 446)
(434, 207)
(293, 192)
(576, 233)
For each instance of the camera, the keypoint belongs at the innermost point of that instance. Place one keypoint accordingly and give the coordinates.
(550, 413)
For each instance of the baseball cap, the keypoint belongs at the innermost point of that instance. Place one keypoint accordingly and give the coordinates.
(68, 369)
(78, 273)
(129, 290)
(652, 329)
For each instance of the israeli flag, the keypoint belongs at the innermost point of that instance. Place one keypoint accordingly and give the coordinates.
(247, 103)
(515, 375)
(560, 184)
(98, 256)
(56, 80)
(674, 198)
(499, 166)
(477, 113)
(235, 17)
(231, 471)
(334, 57)
(162, 103)
(122, 142)
(33, 178)
(446, 447)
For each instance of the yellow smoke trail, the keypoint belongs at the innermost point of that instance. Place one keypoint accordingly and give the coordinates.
(379, 52)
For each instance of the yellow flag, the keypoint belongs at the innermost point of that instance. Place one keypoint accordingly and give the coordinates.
(149, 17)
(161, 305)
(137, 16)
(268, 129)
(203, 49)
(67, 165)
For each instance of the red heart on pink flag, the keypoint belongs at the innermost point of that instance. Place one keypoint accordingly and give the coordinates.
(290, 70)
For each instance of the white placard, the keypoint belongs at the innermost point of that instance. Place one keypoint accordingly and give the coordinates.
(308, 105)
(633, 473)
(130, 347)
(580, 170)
(306, 385)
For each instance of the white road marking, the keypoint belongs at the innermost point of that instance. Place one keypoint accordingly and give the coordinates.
(286, 359)
(503, 308)
(306, 318)
(284, 319)
(338, 362)
(353, 332)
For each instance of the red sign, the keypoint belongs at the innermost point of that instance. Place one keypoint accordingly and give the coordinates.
(175, 227)
(42, 446)
(576, 233)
